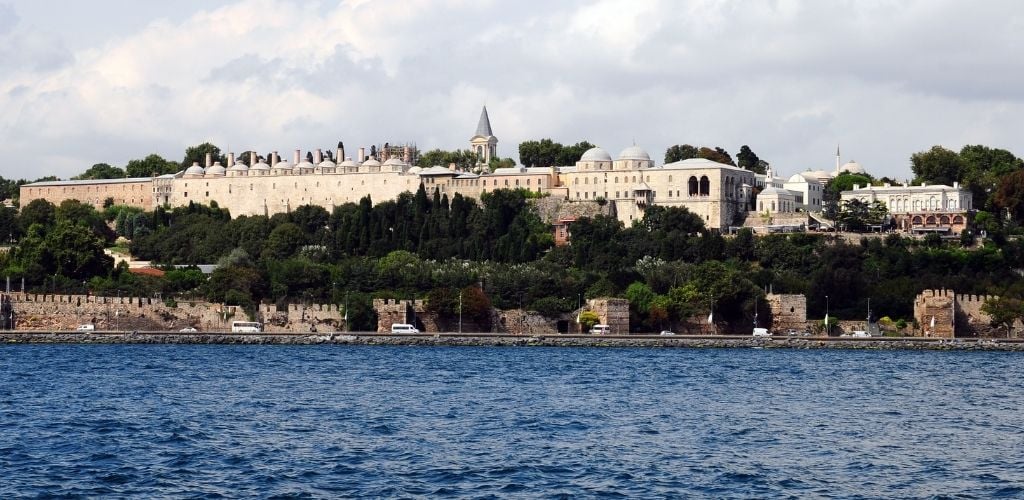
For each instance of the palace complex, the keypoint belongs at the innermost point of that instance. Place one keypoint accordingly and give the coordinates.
(630, 182)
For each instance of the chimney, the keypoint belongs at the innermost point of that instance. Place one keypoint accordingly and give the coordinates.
(407, 154)
(252, 158)
(209, 160)
(318, 156)
(298, 156)
(339, 155)
(362, 155)
(956, 185)
(231, 159)
(275, 157)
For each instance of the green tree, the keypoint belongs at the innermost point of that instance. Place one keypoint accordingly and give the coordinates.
(1009, 195)
(197, 155)
(938, 165)
(1004, 311)
(38, 211)
(152, 165)
(750, 161)
(717, 155)
(588, 319)
(983, 168)
(284, 241)
(542, 153)
(680, 152)
(100, 171)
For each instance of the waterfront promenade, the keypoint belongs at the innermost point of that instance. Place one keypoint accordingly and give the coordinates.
(489, 339)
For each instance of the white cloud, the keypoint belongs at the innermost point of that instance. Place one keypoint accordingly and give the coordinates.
(790, 78)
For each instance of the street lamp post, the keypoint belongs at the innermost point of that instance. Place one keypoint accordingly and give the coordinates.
(827, 329)
(460, 311)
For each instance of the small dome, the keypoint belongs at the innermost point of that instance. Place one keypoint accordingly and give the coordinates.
(819, 175)
(348, 163)
(241, 167)
(634, 153)
(596, 154)
(853, 168)
(260, 165)
(282, 164)
(801, 178)
(195, 169)
(771, 191)
(304, 165)
(327, 164)
(415, 170)
(394, 162)
(216, 169)
(371, 163)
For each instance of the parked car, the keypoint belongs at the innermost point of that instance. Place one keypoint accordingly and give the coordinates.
(761, 332)
(667, 332)
(860, 333)
(188, 329)
(86, 327)
(601, 329)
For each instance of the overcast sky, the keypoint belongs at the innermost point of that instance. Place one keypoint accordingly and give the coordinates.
(114, 80)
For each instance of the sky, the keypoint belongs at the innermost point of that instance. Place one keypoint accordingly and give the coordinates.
(114, 80)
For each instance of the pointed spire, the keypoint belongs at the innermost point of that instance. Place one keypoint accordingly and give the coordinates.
(484, 127)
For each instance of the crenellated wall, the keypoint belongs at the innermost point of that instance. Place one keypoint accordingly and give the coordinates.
(66, 312)
(302, 318)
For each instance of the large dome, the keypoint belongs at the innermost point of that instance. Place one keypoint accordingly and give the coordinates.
(216, 169)
(634, 153)
(195, 169)
(596, 154)
(853, 168)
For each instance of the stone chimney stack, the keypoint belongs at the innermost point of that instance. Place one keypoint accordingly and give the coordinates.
(407, 154)
(209, 160)
(252, 158)
(318, 156)
(298, 157)
(275, 158)
(231, 159)
(362, 155)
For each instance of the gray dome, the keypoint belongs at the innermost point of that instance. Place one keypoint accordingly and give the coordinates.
(239, 166)
(348, 163)
(394, 162)
(304, 164)
(216, 169)
(371, 163)
(596, 154)
(853, 168)
(260, 165)
(195, 169)
(283, 164)
(634, 153)
(327, 164)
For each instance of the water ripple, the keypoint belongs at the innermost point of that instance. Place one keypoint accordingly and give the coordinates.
(330, 421)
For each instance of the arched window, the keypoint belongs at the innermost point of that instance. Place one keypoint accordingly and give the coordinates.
(705, 187)
(692, 184)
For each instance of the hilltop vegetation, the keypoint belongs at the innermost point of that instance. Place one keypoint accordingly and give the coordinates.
(497, 251)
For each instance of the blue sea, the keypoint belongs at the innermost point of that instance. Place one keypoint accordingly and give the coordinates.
(348, 421)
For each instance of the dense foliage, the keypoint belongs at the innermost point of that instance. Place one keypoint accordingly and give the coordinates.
(496, 251)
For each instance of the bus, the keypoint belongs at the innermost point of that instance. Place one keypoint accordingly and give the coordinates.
(246, 327)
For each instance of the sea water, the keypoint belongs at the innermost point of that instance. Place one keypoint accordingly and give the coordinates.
(356, 421)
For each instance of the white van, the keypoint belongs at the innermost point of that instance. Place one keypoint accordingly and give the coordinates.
(601, 329)
(403, 328)
(87, 327)
(761, 332)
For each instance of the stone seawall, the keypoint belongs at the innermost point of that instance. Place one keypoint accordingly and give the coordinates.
(510, 340)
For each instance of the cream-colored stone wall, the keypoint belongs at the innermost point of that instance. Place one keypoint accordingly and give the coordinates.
(271, 194)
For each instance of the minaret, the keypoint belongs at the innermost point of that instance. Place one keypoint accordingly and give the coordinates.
(483, 143)
(837, 159)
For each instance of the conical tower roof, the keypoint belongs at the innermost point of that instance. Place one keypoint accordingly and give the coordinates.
(484, 127)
